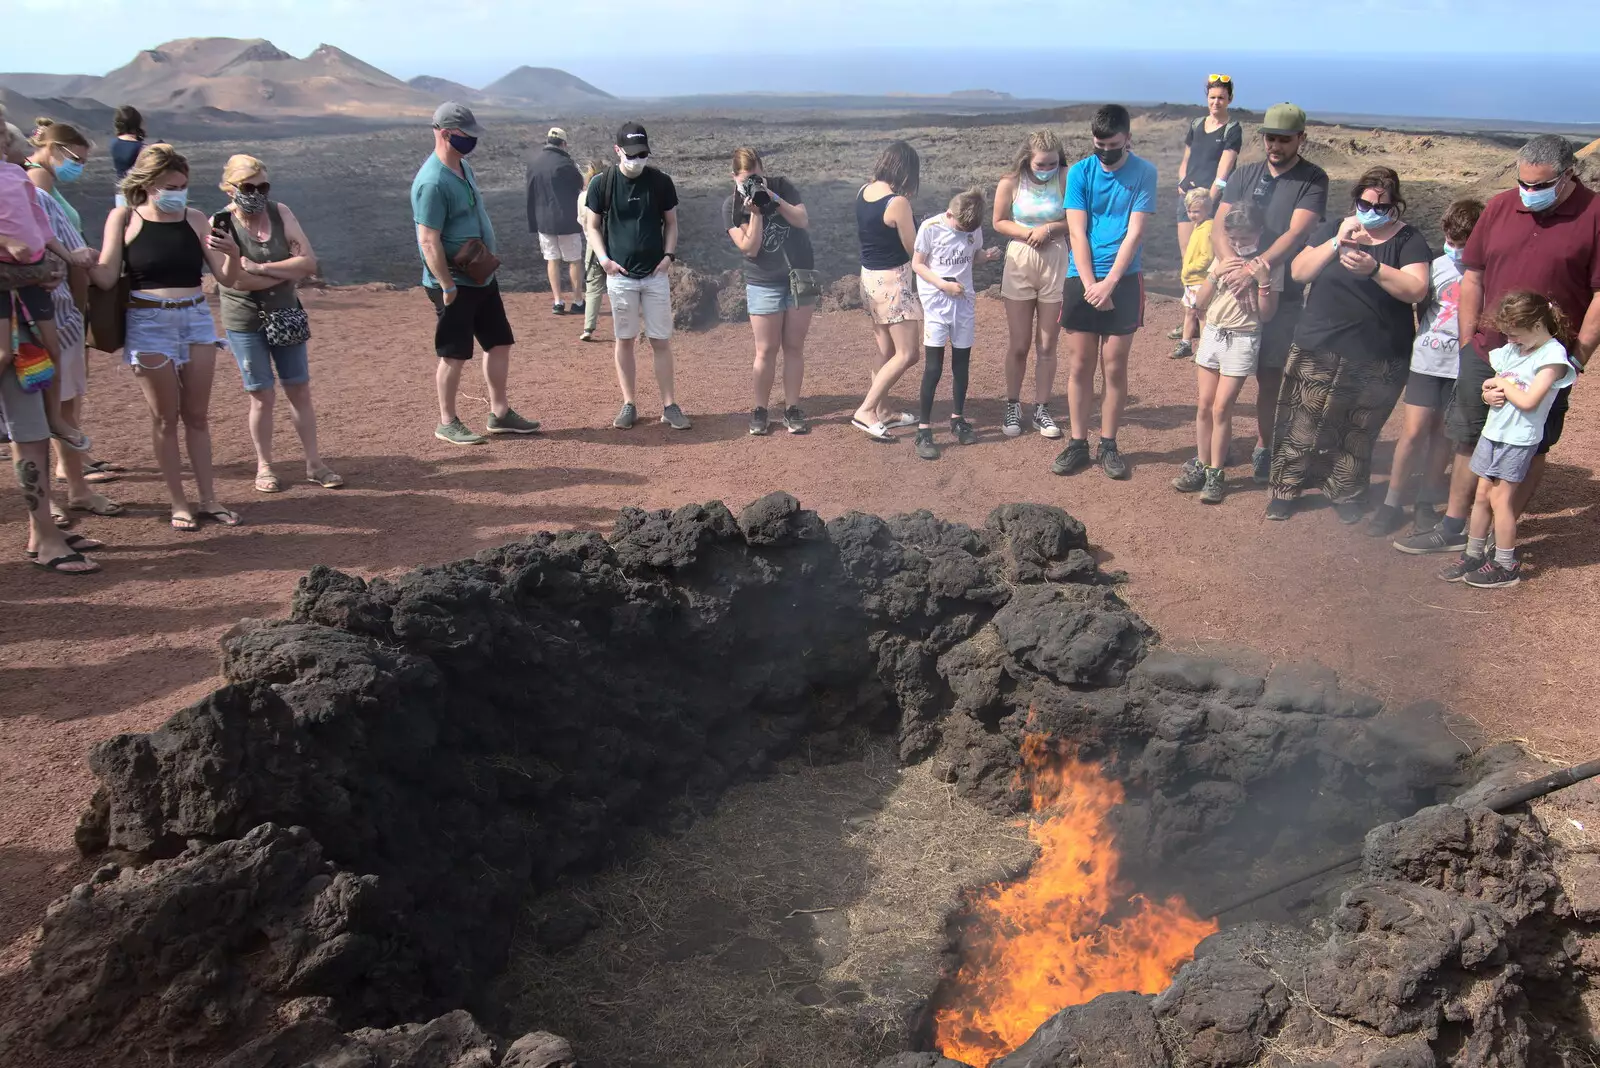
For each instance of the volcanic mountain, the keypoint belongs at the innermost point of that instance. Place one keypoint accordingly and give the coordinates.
(545, 86)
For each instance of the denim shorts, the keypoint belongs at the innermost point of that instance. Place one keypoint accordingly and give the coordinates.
(159, 334)
(768, 300)
(257, 359)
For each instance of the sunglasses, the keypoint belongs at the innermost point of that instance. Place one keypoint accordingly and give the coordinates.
(1534, 187)
(256, 187)
(637, 155)
(1373, 205)
(1218, 79)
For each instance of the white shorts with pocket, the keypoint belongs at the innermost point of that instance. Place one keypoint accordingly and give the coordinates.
(1230, 353)
(947, 321)
(567, 248)
(639, 302)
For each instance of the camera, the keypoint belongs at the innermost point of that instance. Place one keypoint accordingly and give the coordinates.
(754, 189)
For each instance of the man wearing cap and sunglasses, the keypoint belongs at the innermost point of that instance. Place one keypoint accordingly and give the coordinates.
(1292, 193)
(448, 208)
(632, 226)
(554, 185)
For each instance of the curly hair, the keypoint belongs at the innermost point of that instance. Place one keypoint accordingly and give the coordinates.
(154, 162)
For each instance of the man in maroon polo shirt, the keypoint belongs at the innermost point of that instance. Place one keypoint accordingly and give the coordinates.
(1543, 236)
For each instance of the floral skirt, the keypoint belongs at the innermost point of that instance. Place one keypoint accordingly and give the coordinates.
(891, 296)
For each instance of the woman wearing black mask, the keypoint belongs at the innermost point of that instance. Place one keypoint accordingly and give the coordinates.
(261, 313)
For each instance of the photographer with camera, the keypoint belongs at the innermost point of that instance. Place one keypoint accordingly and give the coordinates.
(768, 224)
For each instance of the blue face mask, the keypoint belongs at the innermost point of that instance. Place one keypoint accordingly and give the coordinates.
(1371, 220)
(69, 170)
(1454, 253)
(1046, 176)
(172, 201)
(1540, 199)
(463, 144)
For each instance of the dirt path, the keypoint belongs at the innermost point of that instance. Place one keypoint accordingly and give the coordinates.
(81, 659)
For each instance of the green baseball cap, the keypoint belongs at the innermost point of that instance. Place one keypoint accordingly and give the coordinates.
(1284, 119)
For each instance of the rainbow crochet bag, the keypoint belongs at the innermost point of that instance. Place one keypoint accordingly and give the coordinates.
(31, 363)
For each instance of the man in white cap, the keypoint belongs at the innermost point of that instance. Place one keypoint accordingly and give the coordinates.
(554, 187)
(448, 208)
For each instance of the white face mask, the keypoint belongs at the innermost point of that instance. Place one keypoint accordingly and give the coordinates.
(631, 168)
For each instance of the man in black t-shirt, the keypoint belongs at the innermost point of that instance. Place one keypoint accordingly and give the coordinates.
(1292, 192)
(633, 230)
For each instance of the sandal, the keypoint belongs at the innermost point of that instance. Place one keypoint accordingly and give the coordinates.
(82, 443)
(875, 431)
(99, 504)
(105, 467)
(97, 477)
(187, 524)
(70, 558)
(62, 520)
(326, 479)
(78, 543)
(267, 482)
(219, 515)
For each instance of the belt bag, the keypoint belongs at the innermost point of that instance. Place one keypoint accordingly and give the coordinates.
(805, 286)
(20, 275)
(474, 260)
(286, 326)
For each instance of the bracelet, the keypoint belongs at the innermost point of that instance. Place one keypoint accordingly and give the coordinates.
(1375, 271)
(673, 256)
(449, 289)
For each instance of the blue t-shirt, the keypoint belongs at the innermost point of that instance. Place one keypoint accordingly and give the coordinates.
(444, 201)
(1508, 424)
(1110, 198)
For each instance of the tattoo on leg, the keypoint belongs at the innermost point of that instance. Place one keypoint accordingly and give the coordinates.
(28, 478)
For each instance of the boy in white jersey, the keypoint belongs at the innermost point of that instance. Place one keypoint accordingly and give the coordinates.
(947, 247)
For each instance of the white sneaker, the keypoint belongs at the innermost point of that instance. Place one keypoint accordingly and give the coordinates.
(1013, 420)
(1044, 424)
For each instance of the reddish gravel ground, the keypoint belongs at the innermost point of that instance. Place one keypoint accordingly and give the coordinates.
(85, 658)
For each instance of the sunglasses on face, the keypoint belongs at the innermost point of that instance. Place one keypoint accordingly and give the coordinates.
(1373, 205)
(73, 156)
(637, 155)
(256, 187)
(1534, 187)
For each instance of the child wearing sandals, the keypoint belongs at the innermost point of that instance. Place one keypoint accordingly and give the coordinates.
(947, 247)
(1530, 369)
(1230, 350)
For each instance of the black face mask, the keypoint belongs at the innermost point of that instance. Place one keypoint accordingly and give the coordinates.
(1110, 156)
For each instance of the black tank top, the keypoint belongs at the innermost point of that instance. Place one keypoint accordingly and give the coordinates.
(164, 255)
(881, 247)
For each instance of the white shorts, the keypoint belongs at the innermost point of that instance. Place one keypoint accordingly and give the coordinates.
(1228, 352)
(955, 324)
(568, 248)
(636, 300)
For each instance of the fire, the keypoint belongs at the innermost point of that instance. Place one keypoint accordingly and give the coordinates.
(1049, 941)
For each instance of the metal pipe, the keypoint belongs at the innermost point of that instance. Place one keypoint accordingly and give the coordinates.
(1508, 798)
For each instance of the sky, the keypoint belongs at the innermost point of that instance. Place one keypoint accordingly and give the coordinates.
(662, 47)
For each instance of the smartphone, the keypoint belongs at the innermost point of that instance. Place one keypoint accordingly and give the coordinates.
(219, 221)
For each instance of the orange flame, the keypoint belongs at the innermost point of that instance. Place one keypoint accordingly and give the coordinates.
(1048, 941)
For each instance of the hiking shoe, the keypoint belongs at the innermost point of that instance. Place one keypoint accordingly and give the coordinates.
(1175, 334)
(673, 416)
(1184, 350)
(1073, 458)
(511, 423)
(794, 420)
(1111, 461)
(1493, 576)
(1279, 510)
(1464, 566)
(458, 433)
(961, 430)
(758, 423)
(1350, 512)
(1216, 486)
(1012, 425)
(1261, 466)
(926, 449)
(1192, 477)
(1432, 541)
(1386, 520)
(627, 415)
(577, 307)
(558, 308)
(1043, 423)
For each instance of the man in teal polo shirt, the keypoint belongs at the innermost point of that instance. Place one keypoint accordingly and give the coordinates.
(447, 206)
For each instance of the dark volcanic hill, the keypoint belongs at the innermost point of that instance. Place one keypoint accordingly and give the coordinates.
(546, 86)
(445, 89)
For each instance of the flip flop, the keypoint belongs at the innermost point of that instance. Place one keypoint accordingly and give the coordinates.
(326, 479)
(186, 524)
(82, 443)
(105, 466)
(97, 505)
(78, 543)
(267, 482)
(225, 517)
(99, 477)
(62, 521)
(70, 558)
(875, 431)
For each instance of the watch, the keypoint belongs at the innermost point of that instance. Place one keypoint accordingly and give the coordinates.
(673, 256)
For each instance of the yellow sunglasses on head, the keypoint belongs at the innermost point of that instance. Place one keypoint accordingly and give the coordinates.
(1218, 79)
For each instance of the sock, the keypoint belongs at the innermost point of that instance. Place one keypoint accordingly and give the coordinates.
(960, 361)
(1453, 527)
(1392, 498)
(1475, 546)
(932, 371)
(1506, 558)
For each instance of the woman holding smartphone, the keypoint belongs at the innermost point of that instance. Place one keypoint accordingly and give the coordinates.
(1352, 349)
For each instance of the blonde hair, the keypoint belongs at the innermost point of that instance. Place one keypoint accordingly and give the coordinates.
(1039, 143)
(237, 169)
(47, 133)
(966, 208)
(1196, 196)
(746, 159)
(154, 162)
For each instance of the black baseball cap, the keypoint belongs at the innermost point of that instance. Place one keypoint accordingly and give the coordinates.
(632, 139)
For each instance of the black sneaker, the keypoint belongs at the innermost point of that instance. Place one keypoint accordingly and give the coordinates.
(961, 430)
(1261, 466)
(794, 420)
(1216, 486)
(576, 308)
(1494, 576)
(1192, 477)
(1433, 541)
(627, 415)
(1111, 461)
(673, 416)
(926, 449)
(558, 308)
(1350, 512)
(1464, 566)
(758, 423)
(1385, 521)
(1279, 509)
(1012, 425)
(1073, 458)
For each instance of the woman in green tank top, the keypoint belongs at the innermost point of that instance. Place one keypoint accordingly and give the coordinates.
(274, 254)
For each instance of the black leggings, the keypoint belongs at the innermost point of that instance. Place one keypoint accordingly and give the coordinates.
(933, 370)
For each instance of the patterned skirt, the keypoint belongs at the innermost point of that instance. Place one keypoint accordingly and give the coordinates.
(1330, 412)
(891, 296)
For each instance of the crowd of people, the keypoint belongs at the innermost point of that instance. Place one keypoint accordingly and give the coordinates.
(1337, 311)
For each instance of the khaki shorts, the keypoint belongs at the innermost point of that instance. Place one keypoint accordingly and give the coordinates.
(1033, 273)
(567, 248)
(640, 301)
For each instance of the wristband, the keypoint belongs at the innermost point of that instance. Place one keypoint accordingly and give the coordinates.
(673, 256)
(449, 289)
(1375, 271)
(1220, 183)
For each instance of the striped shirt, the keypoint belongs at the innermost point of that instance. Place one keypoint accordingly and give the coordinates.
(69, 318)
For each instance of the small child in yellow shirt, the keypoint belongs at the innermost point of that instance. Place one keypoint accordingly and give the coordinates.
(1196, 262)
